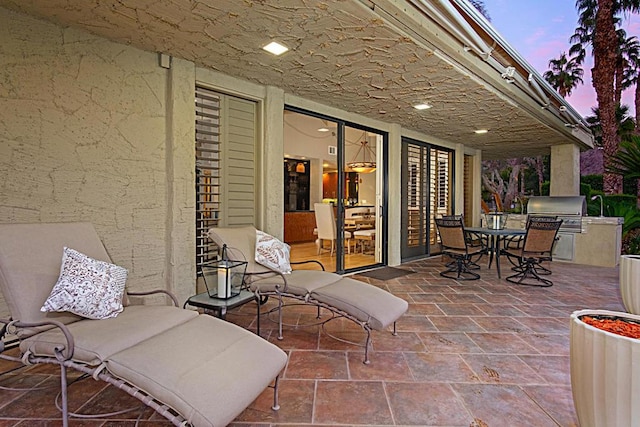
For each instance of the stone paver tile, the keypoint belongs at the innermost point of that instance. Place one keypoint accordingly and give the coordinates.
(455, 324)
(501, 406)
(296, 404)
(501, 324)
(555, 400)
(442, 408)
(317, 365)
(554, 369)
(440, 367)
(502, 369)
(449, 342)
(460, 309)
(501, 342)
(384, 365)
(353, 402)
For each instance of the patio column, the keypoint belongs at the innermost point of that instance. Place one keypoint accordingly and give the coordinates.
(180, 163)
(394, 216)
(458, 179)
(565, 170)
(272, 212)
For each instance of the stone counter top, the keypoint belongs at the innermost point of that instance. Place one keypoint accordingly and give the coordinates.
(602, 220)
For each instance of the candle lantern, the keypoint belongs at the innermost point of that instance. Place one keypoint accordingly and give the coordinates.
(224, 278)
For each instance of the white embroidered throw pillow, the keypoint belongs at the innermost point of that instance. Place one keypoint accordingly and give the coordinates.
(272, 253)
(87, 287)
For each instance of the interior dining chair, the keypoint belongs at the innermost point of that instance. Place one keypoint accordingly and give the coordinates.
(326, 226)
(537, 247)
(454, 244)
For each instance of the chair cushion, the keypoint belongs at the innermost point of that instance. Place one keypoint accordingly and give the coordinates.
(299, 282)
(366, 302)
(26, 281)
(241, 245)
(96, 340)
(207, 369)
(87, 287)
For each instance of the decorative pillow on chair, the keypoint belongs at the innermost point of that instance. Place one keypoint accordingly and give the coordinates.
(272, 253)
(87, 287)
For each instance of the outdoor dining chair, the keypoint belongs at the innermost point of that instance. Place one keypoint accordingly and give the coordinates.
(455, 245)
(536, 248)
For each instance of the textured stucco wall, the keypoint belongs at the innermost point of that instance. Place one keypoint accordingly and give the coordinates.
(84, 136)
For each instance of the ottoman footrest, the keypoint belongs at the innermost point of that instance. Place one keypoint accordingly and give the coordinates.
(367, 305)
(199, 368)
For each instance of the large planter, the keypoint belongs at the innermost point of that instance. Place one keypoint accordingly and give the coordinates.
(630, 282)
(605, 373)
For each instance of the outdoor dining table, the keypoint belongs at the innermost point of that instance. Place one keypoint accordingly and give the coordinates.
(495, 237)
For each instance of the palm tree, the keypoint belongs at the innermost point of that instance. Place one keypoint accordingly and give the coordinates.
(564, 75)
(626, 125)
(626, 161)
(626, 63)
(597, 26)
(631, 51)
(478, 4)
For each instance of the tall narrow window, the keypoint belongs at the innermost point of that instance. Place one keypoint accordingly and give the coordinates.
(208, 171)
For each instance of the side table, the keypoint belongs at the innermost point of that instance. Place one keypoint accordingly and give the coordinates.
(219, 306)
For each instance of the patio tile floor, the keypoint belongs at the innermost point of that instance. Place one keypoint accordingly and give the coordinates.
(471, 354)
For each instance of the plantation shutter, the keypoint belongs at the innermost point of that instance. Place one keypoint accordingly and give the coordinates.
(225, 165)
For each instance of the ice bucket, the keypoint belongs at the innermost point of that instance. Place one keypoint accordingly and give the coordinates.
(496, 220)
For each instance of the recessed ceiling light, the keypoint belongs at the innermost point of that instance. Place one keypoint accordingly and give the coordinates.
(422, 106)
(275, 48)
(481, 131)
(323, 130)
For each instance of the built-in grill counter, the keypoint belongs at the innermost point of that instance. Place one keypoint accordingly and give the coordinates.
(581, 239)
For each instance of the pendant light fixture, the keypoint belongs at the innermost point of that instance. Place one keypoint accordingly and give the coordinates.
(366, 164)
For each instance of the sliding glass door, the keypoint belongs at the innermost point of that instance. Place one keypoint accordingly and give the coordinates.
(332, 163)
(427, 192)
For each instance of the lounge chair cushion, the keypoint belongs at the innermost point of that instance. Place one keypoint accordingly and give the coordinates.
(42, 265)
(243, 247)
(87, 287)
(96, 340)
(299, 282)
(206, 369)
(366, 302)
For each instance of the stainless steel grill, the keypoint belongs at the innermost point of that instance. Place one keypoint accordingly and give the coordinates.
(570, 209)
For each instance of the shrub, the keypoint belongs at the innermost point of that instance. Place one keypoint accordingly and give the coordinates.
(595, 181)
(545, 188)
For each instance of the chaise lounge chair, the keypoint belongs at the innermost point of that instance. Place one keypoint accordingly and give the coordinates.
(188, 367)
(369, 306)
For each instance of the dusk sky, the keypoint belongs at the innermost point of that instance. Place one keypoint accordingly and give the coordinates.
(539, 30)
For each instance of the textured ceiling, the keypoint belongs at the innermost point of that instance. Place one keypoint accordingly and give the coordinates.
(344, 53)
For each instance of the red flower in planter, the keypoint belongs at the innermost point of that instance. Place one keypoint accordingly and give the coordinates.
(616, 326)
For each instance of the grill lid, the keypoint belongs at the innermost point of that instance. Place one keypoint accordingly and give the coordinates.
(557, 205)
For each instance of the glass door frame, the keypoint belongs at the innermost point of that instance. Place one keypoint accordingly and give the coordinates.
(382, 169)
(406, 253)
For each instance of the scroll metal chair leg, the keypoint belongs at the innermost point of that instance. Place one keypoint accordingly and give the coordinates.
(63, 392)
(395, 331)
(276, 404)
(280, 337)
(258, 316)
(318, 316)
(367, 344)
